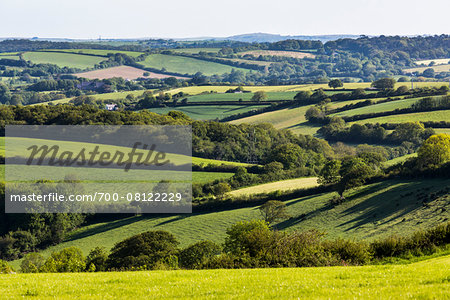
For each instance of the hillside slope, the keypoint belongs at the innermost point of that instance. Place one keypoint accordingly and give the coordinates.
(373, 211)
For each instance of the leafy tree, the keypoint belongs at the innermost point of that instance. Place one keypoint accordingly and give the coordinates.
(144, 250)
(302, 95)
(273, 211)
(259, 96)
(354, 172)
(96, 259)
(290, 155)
(384, 83)
(335, 83)
(237, 241)
(197, 254)
(435, 150)
(313, 114)
(32, 263)
(330, 172)
(221, 188)
(429, 73)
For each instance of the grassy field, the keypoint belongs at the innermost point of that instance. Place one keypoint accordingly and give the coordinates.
(285, 185)
(99, 52)
(373, 211)
(426, 279)
(200, 112)
(11, 55)
(438, 61)
(397, 160)
(126, 72)
(271, 96)
(382, 107)
(440, 115)
(63, 60)
(196, 50)
(289, 118)
(436, 68)
(442, 130)
(186, 65)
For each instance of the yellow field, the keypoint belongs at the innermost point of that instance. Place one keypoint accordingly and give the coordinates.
(438, 61)
(437, 68)
(285, 185)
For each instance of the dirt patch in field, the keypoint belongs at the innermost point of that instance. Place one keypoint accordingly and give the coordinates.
(279, 53)
(125, 72)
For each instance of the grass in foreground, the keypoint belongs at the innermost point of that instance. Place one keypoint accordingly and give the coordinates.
(427, 279)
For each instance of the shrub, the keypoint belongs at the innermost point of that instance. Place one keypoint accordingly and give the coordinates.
(67, 260)
(194, 256)
(143, 250)
(32, 263)
(5, 268)
(96, 259)
(349, 252)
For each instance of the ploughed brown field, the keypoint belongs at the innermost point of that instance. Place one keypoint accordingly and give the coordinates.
(279, 53)
(125, 72)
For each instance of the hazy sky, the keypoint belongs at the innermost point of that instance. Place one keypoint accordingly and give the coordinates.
(195, 18)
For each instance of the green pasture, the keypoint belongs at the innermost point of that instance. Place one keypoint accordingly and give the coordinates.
(99, 52)
(436, 116)
(208, 112)
(186, 65)
(63, 59)
(426, 279)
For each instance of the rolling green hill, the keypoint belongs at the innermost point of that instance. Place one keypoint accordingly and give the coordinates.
(63, 59)
(436, 116)
(426, 279)
(186, 65)
(200, 112)
(372, 211)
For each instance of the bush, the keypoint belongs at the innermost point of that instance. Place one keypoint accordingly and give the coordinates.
(350, 252)
(5, 268)
(143, 251)
(237, 241)
(96, 260)
(194, 256)
(67, 260)
(32, 263)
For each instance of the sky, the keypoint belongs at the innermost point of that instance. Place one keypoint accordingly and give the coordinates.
(200, 18)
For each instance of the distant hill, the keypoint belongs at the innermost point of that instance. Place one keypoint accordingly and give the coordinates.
(271, 38)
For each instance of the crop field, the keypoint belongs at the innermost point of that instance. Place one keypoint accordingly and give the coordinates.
(427, 279)
(99, 52)
(436, 116)
(11, 55)
(373, 211)
(63, 60)
(196, 50)
(200, 112)
(271, 96)
(186, 65)
(382, 107)
(126, 72)
(285, 185)
(442, 130)
(436, 68)
(293, 54)
(437, 61)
